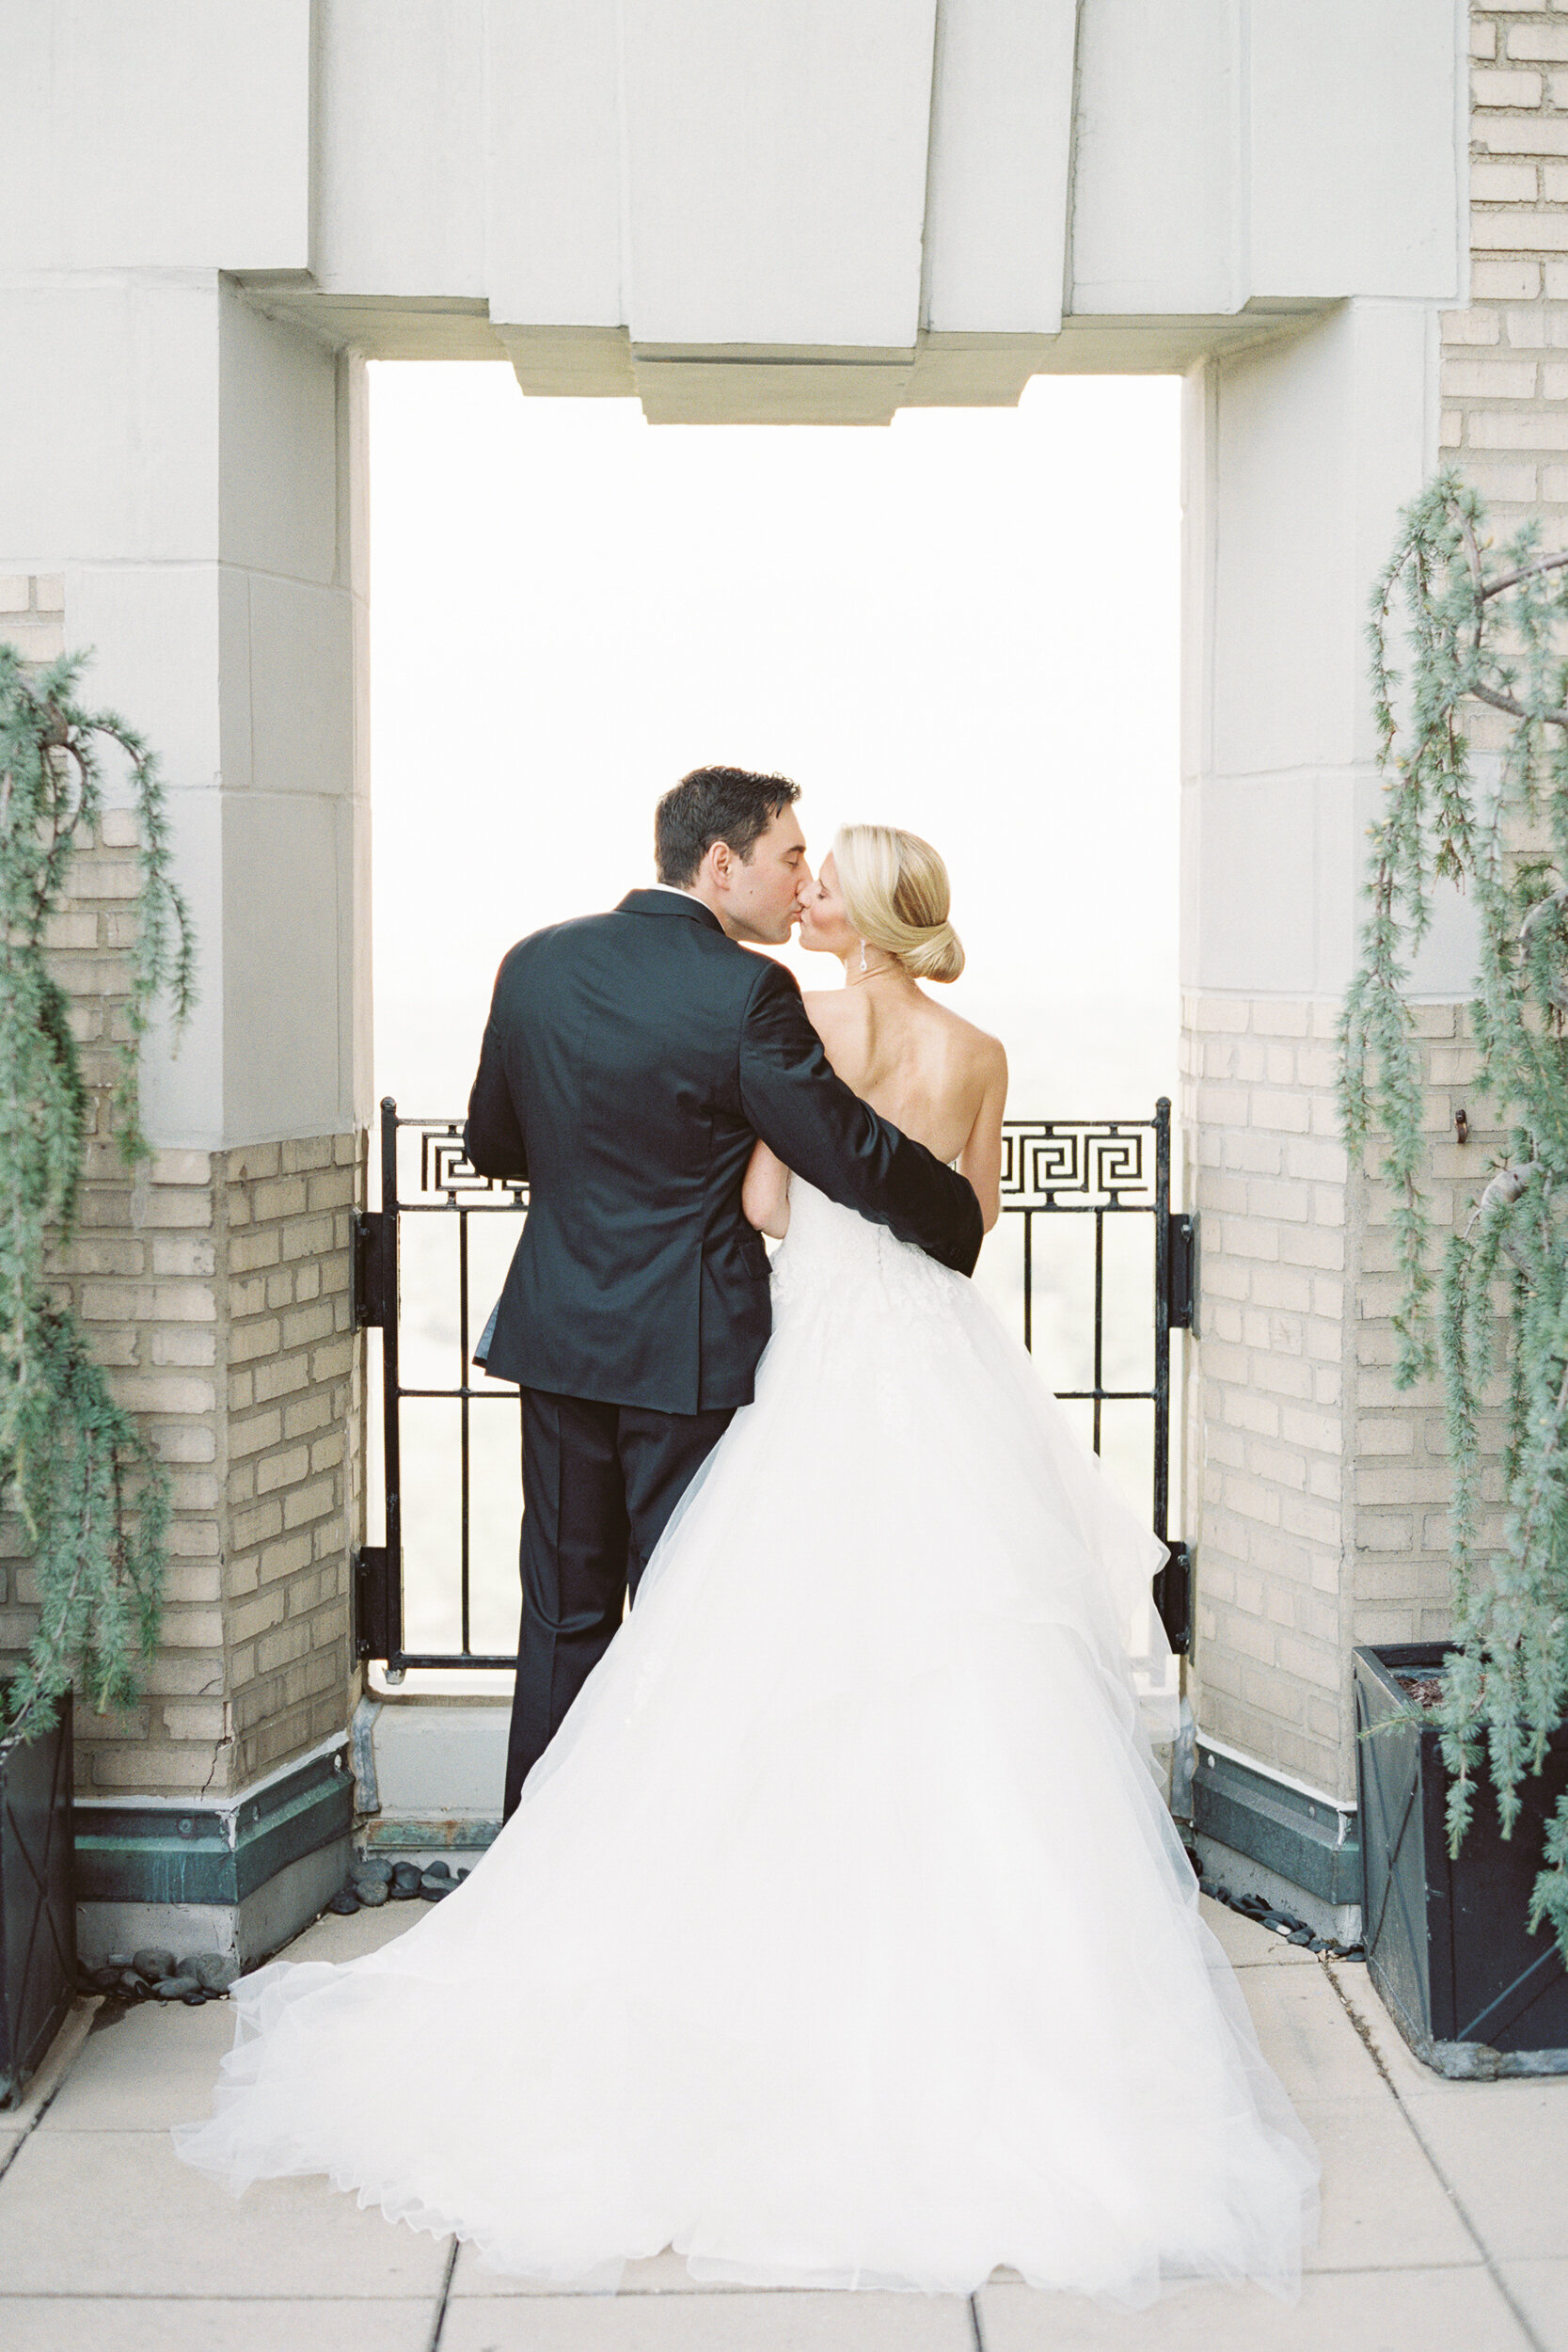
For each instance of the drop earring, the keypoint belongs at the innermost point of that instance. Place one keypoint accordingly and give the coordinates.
(863, 955)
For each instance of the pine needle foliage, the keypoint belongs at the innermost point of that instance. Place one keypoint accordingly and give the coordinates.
(91, 1496)
(1490, 625)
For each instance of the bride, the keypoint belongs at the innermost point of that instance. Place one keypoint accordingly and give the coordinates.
(842, 1937)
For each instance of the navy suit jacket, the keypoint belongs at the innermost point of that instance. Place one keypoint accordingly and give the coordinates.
(629, 1063)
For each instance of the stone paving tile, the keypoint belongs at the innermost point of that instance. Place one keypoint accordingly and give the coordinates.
(1366, 2311)
(143, 2069)
(1306, 2036)
(58, 2060)
(67, 2323)
(1384, 2205)
(1540, 2291)
(159, 2229)
(746, 2321)
(1248, 1945)
(10, 2142)
(335, 1938)
(1405, 2073)
(1396, 2265)
(1410, 2078)
(1503, 2150)
(661, 2274)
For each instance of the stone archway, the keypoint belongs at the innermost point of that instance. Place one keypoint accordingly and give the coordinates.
(788, 215)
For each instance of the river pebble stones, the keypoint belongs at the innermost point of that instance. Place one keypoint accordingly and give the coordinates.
(375, 1880)
(154, 1972)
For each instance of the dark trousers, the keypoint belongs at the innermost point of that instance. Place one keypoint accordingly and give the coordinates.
(599, 1482)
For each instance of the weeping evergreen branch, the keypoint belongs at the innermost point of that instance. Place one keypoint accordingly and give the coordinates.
(91, 1497)
(1497, 637)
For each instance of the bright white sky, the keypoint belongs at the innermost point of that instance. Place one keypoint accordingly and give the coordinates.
(965, 624)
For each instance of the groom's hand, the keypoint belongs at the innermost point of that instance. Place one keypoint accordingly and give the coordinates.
(817, 1125)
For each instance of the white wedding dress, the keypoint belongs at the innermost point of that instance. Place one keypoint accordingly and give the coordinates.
(842, 1937)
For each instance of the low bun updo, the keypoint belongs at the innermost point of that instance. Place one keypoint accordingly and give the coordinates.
(896, 895)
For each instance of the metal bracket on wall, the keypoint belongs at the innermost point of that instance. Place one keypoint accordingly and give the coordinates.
(374, 1275)
(373, 1613)
(1184, 1270)
(1173, 1597)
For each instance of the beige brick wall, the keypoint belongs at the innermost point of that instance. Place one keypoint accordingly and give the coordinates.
(32, 613)
(293, 1491)
(1505, 359)
(1324, 1488)
(1318, 1490)
(1267, 1403)
(216, 1291)
(1399, 1562)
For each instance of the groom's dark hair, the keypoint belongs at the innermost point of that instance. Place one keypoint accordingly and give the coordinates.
(729, 804)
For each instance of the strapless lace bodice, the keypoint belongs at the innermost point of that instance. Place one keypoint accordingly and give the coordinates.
(833, 1256)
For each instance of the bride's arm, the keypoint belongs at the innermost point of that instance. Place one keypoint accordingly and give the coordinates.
(764, 1193)
(981, 1158)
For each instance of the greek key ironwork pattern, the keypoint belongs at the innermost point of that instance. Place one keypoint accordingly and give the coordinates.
(1090, 1168)
(1046, 1164)
(1078, 1163)
(444, 1174)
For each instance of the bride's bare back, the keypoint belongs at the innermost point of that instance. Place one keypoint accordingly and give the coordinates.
(938, 1077)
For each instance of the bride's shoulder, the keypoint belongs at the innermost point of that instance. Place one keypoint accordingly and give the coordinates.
(977, 1045)
(827, 1007)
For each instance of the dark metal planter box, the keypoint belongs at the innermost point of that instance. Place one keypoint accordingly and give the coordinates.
(1471, 1990)
(38, 1902)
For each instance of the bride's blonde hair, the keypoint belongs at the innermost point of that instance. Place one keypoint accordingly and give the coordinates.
(897, 894)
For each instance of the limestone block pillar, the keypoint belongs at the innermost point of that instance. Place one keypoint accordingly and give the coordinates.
(1319, 1490)
(1315, 1488)
(193, 510)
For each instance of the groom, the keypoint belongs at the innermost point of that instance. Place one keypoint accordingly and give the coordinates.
(629, 1063)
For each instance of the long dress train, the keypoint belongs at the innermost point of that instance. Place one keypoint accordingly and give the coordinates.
(842, 1937)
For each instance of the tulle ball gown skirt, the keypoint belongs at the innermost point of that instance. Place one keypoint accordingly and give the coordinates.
(842, 1937)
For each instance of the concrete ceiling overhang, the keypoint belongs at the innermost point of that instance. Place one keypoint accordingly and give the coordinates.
(784, 211)
(749, 384)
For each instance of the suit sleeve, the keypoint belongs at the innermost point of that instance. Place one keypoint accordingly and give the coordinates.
(826, 1134)
(493, 1141)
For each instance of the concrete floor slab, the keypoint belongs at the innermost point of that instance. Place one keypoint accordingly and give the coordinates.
(1366, 2310)
(1404, 2068)
(57, 2323)
(1306, 2036)
(1503, 2148)
(1248, 1945)
(1540, 2291)
(143, 2069)
(746, 2321)
(173, 2258)
(1406, 2074)
(159, 2229)
(335, 1938)
(57, 2063)
(1384, 2205)
(661, 2274)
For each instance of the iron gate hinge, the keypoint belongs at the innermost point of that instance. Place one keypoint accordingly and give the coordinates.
(1173, 1597)
(374, 1277)
(371, 1601)
(1183, 1269)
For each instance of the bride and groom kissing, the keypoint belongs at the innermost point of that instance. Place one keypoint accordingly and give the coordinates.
(836, 1933)
(653, 1082)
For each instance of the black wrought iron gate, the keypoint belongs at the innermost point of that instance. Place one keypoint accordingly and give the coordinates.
(1100, 1169)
